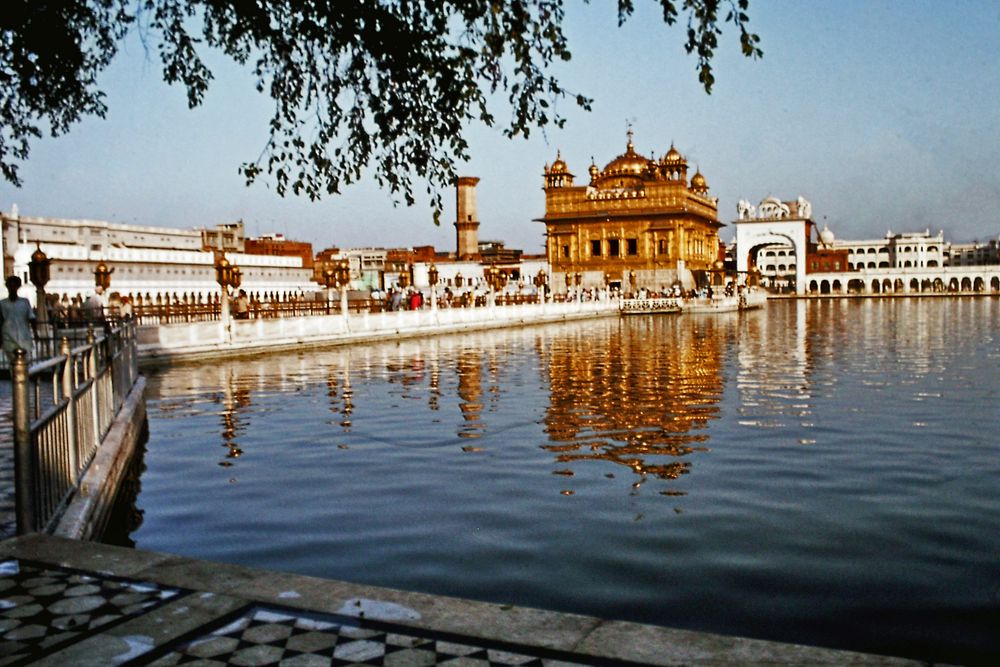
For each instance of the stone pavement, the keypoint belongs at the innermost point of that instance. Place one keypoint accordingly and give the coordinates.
(64, 602)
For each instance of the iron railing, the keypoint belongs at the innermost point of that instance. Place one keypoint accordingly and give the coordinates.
(63, 408)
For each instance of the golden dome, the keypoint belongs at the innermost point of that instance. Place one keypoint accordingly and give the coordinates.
(673, 156)
(628, 163)
(559, 167)
(698, 182)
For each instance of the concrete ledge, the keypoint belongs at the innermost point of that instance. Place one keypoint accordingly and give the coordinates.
(218, 589)
(166, 343)
(87, 512)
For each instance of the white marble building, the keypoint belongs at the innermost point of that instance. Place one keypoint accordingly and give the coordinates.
(144, 260)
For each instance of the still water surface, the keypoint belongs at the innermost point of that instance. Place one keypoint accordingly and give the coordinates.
(819, 472)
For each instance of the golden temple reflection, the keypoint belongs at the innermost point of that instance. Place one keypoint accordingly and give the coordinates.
(620, 402)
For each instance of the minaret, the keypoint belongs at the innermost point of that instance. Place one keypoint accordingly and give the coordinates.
(466, 219)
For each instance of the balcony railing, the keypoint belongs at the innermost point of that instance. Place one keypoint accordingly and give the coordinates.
(63, 408)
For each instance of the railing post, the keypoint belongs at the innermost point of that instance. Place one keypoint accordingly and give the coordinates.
(67, 395)
(92, 375)
(24, 460)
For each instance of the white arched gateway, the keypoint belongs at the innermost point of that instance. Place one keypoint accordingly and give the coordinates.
(773, 223)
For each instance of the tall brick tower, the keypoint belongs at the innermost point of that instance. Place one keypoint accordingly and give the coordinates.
(467, 221)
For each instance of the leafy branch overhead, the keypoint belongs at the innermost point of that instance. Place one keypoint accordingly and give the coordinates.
(382, 84)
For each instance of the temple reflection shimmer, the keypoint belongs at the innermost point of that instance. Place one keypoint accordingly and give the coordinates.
(598, 393)
(620, 400)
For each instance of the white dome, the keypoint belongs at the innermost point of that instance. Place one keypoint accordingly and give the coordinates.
(826, 236)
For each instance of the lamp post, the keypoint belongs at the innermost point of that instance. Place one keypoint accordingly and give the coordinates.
(578, 279)
(569, 283)
(102, 276)
(329, 280)
(540, 283)
(38, 271)
(224, 276)
(432, 276)
(490, 274)
(631, 281)
(344, 279)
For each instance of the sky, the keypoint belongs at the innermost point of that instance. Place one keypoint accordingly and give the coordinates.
(884, 114)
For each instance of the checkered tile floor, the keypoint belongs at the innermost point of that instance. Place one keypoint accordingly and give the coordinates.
(45, 608)
(270, 636)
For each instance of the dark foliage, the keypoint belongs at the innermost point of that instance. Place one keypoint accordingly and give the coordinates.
(382, 84)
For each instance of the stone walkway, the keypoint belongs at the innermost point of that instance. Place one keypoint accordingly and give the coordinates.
(64, 602)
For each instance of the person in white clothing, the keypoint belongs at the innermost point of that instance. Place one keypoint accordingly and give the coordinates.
(17, 320)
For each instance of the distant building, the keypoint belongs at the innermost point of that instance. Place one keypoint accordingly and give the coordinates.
(227, 237)
(145, 260)
(775, 239)
(638, 222)
(276, 245)
(495, 252)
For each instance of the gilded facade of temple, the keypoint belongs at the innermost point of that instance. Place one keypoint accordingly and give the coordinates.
(638, 223)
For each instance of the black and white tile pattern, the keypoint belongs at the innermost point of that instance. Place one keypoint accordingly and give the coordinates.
(270, 636)
(45, 608)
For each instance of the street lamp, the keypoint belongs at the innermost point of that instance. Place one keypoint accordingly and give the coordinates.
(224, 275)
(491, 274)
(539, 281)
(459, 279)
(102, 276)
(38, 271)
(432, 276)
(631, 280)
(343, 279)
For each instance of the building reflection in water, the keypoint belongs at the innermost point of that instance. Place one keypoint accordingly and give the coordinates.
(342, 399)
(641, 406)
(469, 368)
(234, 398)
(634, 393)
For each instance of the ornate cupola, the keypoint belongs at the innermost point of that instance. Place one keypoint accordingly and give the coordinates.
(595, 172)
(698, 183)
(674, 165)
(558, 175)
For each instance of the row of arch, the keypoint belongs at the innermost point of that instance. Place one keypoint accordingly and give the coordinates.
(898, 286)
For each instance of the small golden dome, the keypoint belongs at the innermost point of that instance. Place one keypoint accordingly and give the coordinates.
(673, 156)
(559, 167)
(698, 182)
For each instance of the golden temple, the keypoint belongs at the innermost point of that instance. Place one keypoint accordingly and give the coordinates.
(639, 223)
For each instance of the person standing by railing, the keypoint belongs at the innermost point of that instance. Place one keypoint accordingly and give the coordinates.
(17, 321)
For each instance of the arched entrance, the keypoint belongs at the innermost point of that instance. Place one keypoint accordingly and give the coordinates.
(755, 234)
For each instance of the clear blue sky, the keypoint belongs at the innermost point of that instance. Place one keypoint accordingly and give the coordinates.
(885, 114)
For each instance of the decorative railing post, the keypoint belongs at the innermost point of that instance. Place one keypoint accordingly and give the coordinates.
(24, 458)
(92, 376)
(67, 393)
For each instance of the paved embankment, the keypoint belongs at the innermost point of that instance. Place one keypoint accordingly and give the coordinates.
(199, 340)
(78, 603)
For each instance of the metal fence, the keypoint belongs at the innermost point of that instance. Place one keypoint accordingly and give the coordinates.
(63, 408)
